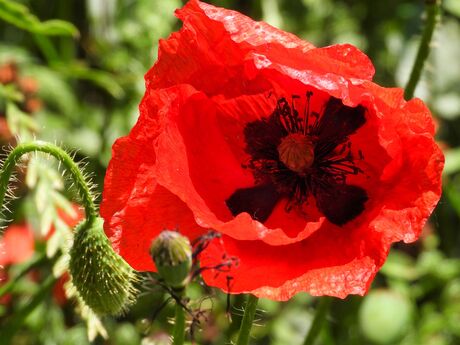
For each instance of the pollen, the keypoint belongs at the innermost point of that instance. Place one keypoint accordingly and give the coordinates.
(296, 151)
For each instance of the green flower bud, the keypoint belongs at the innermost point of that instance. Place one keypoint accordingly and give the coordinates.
(385, 316)
(172, 254)
(103, 280)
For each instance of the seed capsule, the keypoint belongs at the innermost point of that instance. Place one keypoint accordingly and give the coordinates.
(172, 254)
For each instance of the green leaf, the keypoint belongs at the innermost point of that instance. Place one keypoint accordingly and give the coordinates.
(452, 6)
(20, 123)
(100, 78)
(20, 16)
(11, 93)
(54, 90)
(453, 196)
(400, 266)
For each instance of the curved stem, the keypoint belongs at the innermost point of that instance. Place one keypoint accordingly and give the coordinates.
(320, 316)
(432, 10)
(60, 155)
(179, 324)
(248, 318)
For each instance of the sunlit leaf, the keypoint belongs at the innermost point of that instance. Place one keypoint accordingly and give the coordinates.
(20, 16)
(453, 6)
(100, 78)
(452, 164)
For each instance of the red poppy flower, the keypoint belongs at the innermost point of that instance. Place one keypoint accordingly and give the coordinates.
(16, 245)
(307, 168)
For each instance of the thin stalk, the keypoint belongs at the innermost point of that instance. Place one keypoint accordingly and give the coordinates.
(60, 155)
(179, 323)
(432, 10)
(47, 48)
(36, 261)
(14, 324)
(320, 316)
(248, 319)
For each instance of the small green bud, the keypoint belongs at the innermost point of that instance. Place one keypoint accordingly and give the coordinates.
(103, 280)
(385, 316)
(172, 254)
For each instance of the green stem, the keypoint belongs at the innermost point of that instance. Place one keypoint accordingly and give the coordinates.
(14, 324)
(36, 261)
(179, 323)
(60, 155)
(320, 316)
(432, 10)
(47, 48)
(248, 318)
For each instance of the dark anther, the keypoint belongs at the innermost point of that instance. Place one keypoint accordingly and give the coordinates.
(200, 244)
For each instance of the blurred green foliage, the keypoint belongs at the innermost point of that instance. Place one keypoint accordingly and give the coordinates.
(88, 59)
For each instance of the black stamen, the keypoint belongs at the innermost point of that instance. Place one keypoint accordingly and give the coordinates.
(306, 114)
(292, 176)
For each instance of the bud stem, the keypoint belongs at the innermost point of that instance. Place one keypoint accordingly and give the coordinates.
(16, 321)
(60, 155)
(179, 323)
(248, 318)
(432, 10)
(320, 316)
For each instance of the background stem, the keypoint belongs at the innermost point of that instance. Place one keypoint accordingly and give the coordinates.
(432, 10)
(36, 261)
(14, 324)
(320, 316)
(248, 318)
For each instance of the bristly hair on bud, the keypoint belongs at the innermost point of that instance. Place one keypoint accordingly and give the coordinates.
(103, 280)
(172, 254)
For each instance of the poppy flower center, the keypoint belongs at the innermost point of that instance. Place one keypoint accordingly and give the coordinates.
(296, 151)
(296, 157)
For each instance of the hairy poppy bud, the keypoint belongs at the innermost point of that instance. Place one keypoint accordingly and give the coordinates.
(102, 278)
(172, 255)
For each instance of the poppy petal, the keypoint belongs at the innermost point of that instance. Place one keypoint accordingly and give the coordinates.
(135, 208)
(16, 245)
(220, 43)
(332, 262)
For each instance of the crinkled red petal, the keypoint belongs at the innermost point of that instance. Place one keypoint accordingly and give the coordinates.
(334, 263)
(135, 208)
(220, 43)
